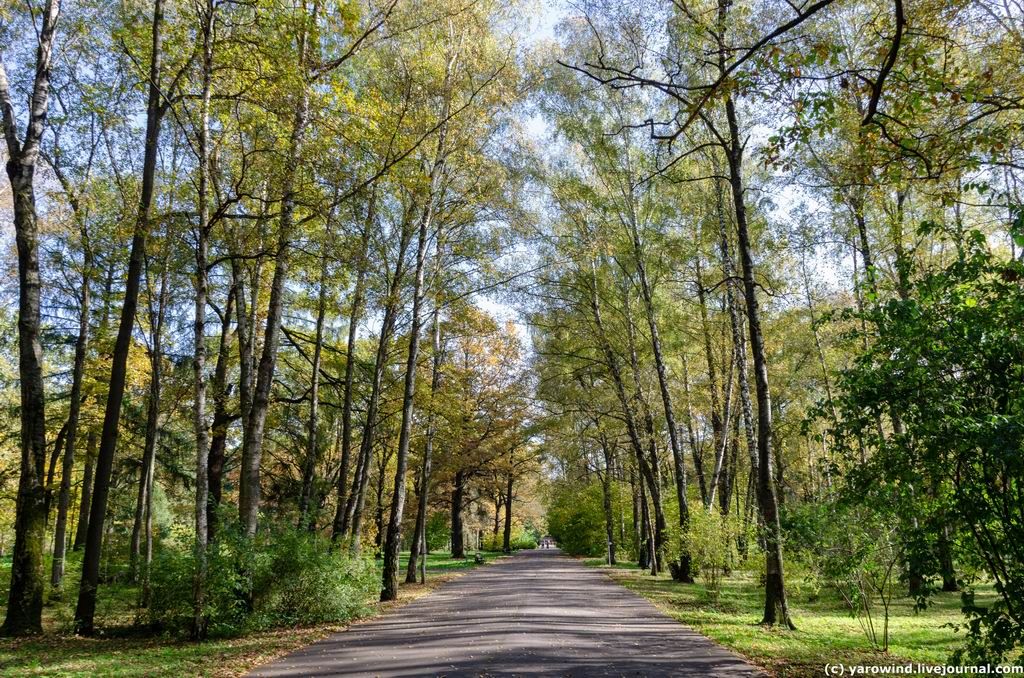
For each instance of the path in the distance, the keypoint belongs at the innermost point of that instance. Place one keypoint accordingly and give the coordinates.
(537, 613)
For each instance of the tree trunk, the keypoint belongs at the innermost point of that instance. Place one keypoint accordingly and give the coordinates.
(458, 537)
(736, 324)
(51, 471)
(25, 596)
(420, 536)
(221, 420)
(698, 458)
(393, 541)
(86, 608)
(358, 495)
(382, 467)
(635, 516)
(246, 349)
(200, 423)
(506, 544)
(946, 569)
(606, 491)
(82, 529)
(719, 419)
(612, 362)
(152, 435)
(252, 439)
(717, 427)
(683, 573)
(341, 515)
(75, 408)
(660, 523)
(147, 556)
(644, 545)
(776, 609)
(306, 516)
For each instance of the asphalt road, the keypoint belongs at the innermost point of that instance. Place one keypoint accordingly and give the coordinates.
(537, 613)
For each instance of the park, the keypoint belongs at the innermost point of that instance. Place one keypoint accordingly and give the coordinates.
(512, 337)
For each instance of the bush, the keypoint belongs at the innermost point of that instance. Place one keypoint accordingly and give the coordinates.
(520, 539)
(282, 577)
(711, 543)
(524, 541)
(438, 531)
(576, 519)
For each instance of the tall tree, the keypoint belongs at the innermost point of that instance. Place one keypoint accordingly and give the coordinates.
(25, 596)
(156, 108)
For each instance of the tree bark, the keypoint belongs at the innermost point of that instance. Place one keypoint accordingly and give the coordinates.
(25, 595)
(82, 528)
(306, 517)
(736, 324)
(684, 573)
(86, 607)
(74, 414)
(246, 349)
(719, 418)
(221, 419)
(506, 542)
(698, 458)
(358, 495)
(606, 491)
(389, 589)
(249, 492)
(341, 515)
(147, 555)
(200, 423)
(655, 487)
(51, 471)
(458, 530)
(644, 558)
(612, 362)
(419, 539)
(776, 609)
(152, 436)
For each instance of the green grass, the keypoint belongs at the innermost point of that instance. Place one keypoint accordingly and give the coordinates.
(122, 650)
(826, 631)
(441, 563)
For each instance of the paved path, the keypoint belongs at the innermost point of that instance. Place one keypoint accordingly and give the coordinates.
(536, 613)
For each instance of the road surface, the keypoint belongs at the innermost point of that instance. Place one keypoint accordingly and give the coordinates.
(537, 613)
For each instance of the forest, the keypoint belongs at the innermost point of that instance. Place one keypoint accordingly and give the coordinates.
(316, 298)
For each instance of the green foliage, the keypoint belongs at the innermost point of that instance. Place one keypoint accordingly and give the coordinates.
(950, 360)
(576, 519)
(711, 542)
(438, 531)
(520, 539)
(283, 577)
(524, 542)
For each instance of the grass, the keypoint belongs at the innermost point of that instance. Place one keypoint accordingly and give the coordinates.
(443, 563)
(826, 631)
(122, 651)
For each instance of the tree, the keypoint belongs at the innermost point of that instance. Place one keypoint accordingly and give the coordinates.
(25, 597)
(157, 106)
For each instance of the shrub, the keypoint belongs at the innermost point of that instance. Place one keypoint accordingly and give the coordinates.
(576, 519)
(282, 577)
(438, 531)
(711, 542)
(524, 541)
(521, 539)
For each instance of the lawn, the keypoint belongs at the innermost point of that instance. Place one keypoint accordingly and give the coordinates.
(122, 650)
(826, 631)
